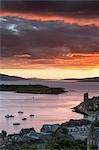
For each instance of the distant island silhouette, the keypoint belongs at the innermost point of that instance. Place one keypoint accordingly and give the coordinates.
(4, 77)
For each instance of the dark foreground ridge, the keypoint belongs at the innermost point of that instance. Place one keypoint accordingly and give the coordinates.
(36, 89)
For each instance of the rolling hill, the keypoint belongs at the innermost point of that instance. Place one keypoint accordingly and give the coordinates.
(4, 77)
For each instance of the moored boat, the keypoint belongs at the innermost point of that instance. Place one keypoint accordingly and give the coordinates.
(20, 112)
(16, 123)
(24, 119)
(31, 115)
(9, 116)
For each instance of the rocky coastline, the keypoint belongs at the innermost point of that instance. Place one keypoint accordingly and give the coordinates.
(89, 107)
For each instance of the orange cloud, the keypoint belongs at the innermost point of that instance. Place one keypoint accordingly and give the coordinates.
(23, 56)
(81, 55)
(71, 20)
(75, 61)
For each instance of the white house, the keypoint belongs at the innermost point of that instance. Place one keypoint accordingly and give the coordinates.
(79, 129)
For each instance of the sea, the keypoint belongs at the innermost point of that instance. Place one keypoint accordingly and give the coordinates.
(47, 109)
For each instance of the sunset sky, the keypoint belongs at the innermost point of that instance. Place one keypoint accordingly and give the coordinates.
(49, 39)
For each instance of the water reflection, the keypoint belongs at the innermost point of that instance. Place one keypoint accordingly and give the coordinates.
(46, 108)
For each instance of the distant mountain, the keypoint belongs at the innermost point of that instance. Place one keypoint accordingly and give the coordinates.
(4, 77)
(36, 79)
(93, 79)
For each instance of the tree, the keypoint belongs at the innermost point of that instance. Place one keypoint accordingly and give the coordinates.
(93, 147)
(4, 134)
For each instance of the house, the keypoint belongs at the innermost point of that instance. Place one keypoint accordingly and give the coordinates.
(91, 104)
(62, 134)
(13, 138)
(49, 128)
(1, 139)
(91, 117)
(79, 129)
(46, 136)
(93, 137)
(26, 131)
(32, 135)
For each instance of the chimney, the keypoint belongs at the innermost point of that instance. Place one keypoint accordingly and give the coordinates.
(85, 97)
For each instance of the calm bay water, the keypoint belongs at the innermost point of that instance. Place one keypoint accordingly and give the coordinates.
(46, 108)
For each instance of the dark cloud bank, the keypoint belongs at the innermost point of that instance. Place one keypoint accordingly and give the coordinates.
(46, 39)
(69, 8)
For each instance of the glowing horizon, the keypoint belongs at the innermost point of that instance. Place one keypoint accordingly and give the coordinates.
(51, 74)
(59, 41)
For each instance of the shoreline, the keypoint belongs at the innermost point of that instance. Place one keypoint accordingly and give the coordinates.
(89, 107)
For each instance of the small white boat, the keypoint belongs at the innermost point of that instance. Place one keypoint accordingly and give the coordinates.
(16, 124)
